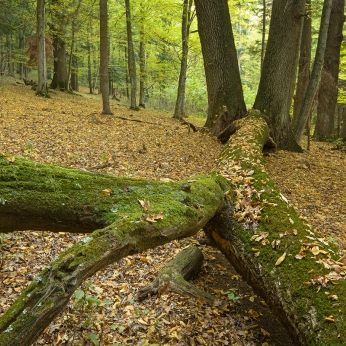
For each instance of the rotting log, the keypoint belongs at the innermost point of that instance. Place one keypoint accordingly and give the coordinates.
(300, 274)
(173, 276)
(283, 259)
(68, 199)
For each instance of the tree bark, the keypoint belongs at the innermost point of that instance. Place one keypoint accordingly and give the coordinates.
(328, 91)
(41, 50)
(240, 208)
(131, 57)
(304, 63)
(104, 82)
(314, 82)
(142, 61)
(220, 63)
(277, 81)
(185, 31)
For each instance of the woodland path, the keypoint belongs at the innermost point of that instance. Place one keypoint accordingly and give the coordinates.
(68, 130)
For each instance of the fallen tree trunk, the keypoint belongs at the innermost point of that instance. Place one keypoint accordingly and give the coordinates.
(258, 231)
(142, 214)
(174, 274)
(300, 274)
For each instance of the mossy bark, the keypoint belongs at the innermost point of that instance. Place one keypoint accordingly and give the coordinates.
(66, 199)
(173, 276)
(239, 207)
(258, 229)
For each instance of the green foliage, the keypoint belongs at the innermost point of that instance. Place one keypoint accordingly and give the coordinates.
(230, 294)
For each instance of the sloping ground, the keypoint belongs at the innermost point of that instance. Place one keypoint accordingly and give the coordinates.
(68, 130)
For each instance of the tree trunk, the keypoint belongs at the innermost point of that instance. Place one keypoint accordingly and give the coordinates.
(41, 50)
(314, 82)
(73, 32)
(328, 91)
(59, 80)
(21, 47)
(304, 63)
(142, 62)
(264, 17)
(240, 209)
(131, 57)
(276, 85)
(186, 207)
(185, 31)
(104, 56)
(74, 74)
(220, 63)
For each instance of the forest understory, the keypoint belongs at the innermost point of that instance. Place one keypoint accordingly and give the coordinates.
(68, 130)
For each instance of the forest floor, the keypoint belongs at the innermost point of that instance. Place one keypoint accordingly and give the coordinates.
(68, 130)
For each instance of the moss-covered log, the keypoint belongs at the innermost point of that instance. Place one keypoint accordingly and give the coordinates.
(299, 273)
(135, 215)
(174, 274)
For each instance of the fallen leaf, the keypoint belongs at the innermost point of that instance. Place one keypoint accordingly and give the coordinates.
(107, 191)
(154, 218)
(280, 259)
(145, 205)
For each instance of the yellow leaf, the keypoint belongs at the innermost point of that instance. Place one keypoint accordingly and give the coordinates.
(11, 158)
(107, 191)
(280, 260)
(329, 318)
(264, 332)
(315, 250)
(333, 297)
(253, 313)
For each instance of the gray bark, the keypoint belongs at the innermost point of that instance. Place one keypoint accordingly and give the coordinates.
(131, 57)
(104, 56)
(41, 50)
(314, 82)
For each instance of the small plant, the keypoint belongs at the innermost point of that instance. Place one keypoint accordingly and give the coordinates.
(230, 294)
(29, 145)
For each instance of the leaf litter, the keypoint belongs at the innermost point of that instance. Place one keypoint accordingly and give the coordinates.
(68, 130)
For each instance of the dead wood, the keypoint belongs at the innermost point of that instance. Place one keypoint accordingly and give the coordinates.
(174, 275)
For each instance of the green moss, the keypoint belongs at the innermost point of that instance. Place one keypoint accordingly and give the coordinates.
(309, 302)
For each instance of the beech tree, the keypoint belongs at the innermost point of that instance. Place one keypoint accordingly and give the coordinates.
(131, 57)
(328, 90)
(57, 26)
(104, 55)
(312, 87)
(185, 32)
(41, 50)
(225, 93)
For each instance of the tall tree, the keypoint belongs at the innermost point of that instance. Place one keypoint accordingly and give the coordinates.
(58, 26)
(264, 16)
(314, 82)
(304, 63)
(131, 57)
(185, 32)
(328, 90)
(41, 50)
(279, 69)
(71, 55)
(142, 67)
(225, 93)
(104, 56)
